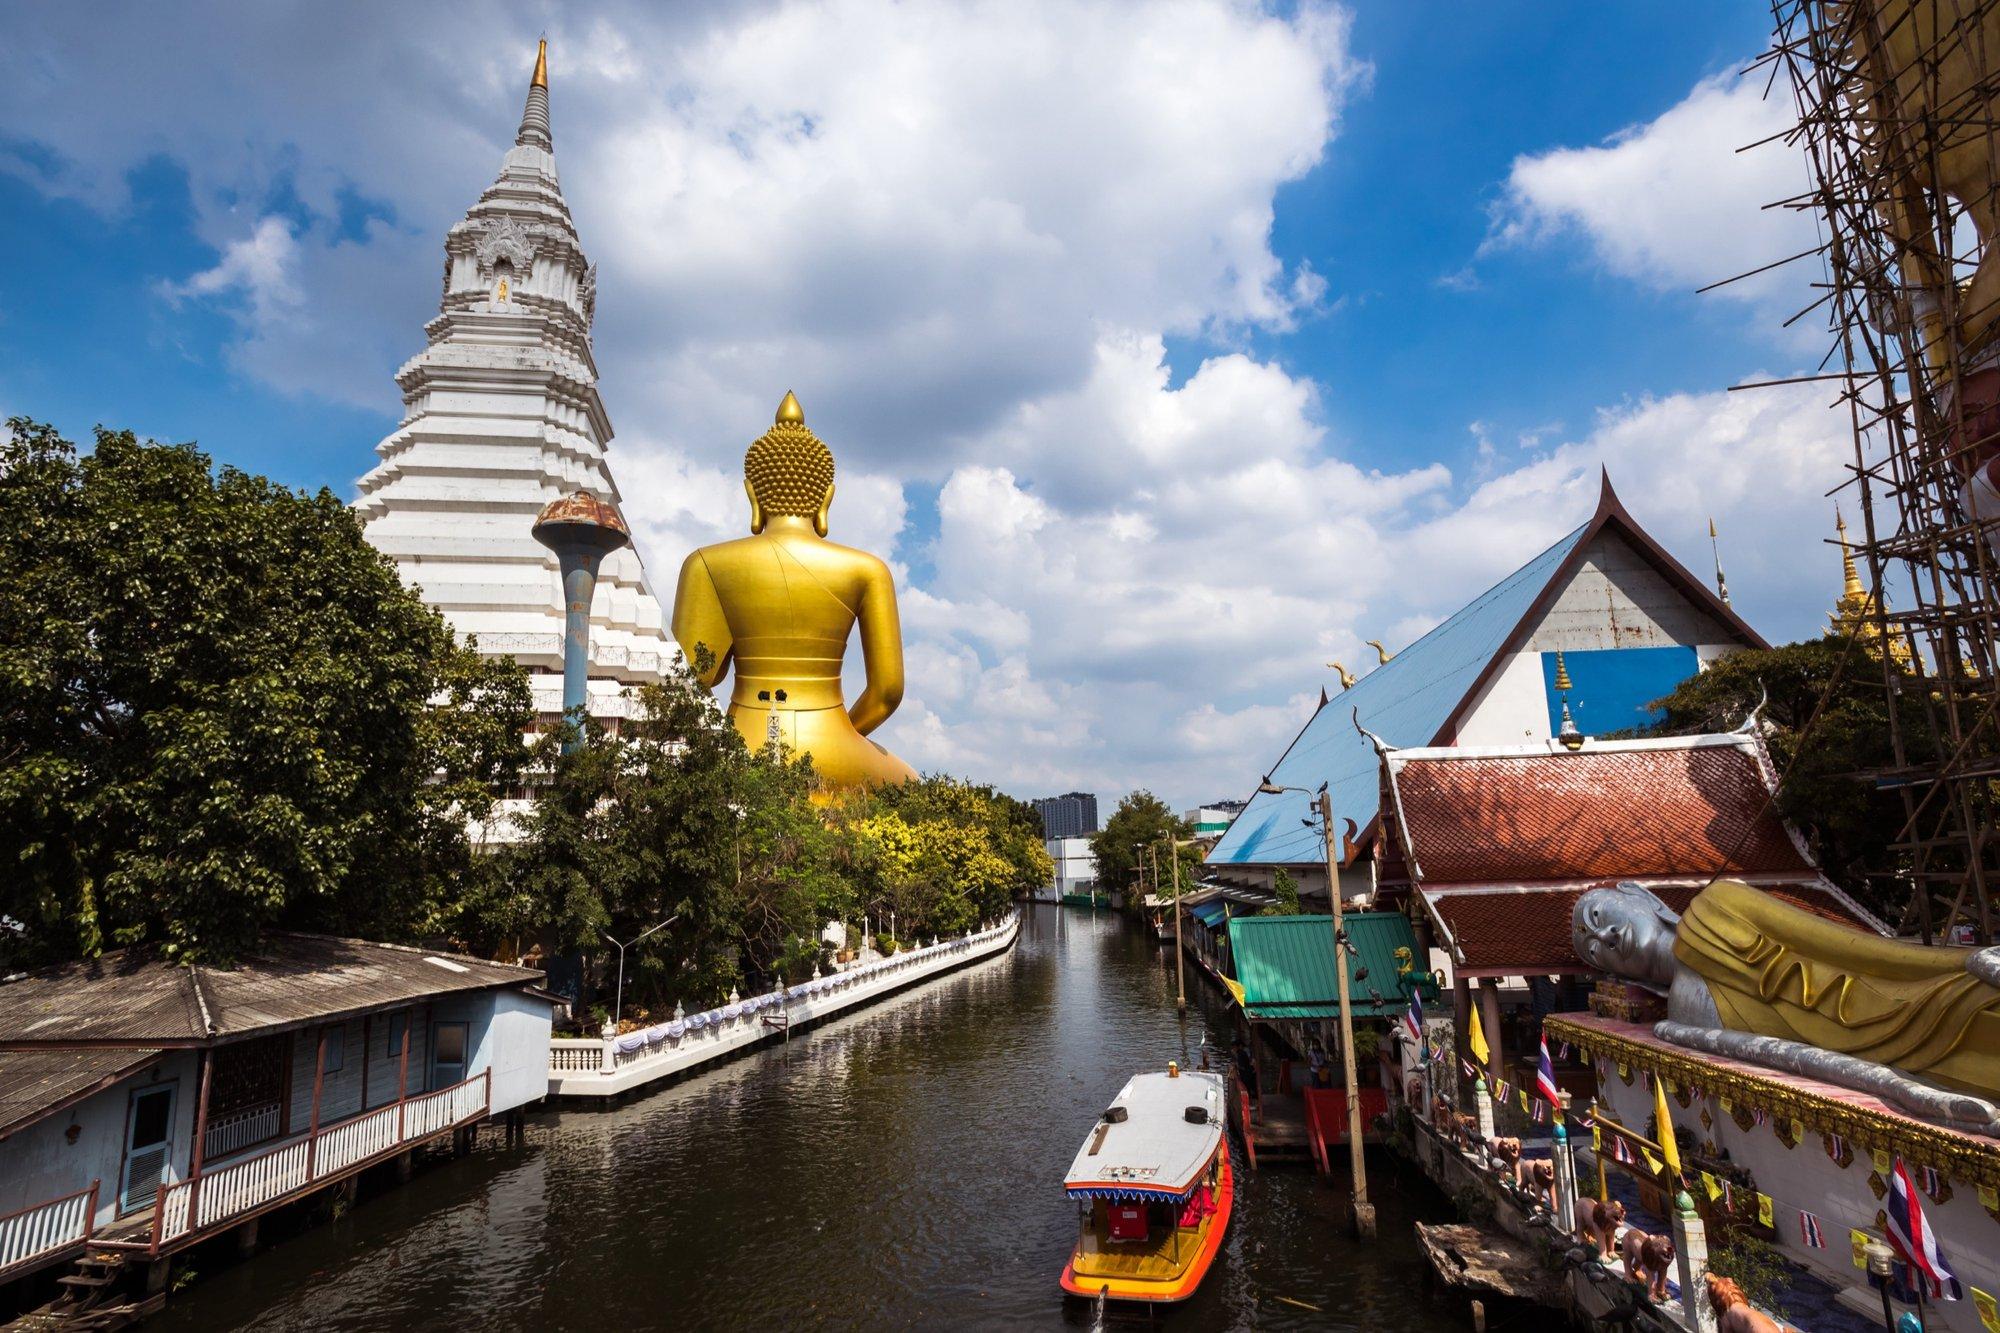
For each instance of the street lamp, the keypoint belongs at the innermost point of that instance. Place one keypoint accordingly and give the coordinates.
(1881, 1265)
(1364, 1212)
(619, 1011)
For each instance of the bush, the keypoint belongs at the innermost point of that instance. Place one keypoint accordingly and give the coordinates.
(1753, 1264)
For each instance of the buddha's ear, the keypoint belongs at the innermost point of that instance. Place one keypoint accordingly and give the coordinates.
(756, 510)
(819, 519)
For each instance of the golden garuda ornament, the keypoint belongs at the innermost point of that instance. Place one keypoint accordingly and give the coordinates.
(778, 607)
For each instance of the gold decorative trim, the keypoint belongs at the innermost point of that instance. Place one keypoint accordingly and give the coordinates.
(1951, 1154)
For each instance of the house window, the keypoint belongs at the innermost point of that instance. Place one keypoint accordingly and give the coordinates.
(448, 1043)
(336, 1049)
(399, 1031)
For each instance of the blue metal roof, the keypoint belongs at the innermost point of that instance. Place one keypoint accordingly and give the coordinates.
(1405, 701)
(1210, 913)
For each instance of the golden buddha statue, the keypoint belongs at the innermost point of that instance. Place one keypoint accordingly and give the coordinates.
(779, 605)
(1751, 977)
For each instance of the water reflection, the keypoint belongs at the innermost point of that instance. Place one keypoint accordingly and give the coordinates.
(899, 1167)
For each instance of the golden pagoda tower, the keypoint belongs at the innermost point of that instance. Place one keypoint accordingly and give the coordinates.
(1854, 613)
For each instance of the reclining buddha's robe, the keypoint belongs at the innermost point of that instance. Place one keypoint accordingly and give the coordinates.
(1779, 971)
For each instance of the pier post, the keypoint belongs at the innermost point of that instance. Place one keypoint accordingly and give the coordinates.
(1482, 1102)
(1691, 1254)
(609, 1036)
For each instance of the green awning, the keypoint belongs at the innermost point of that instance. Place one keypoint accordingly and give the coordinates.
(1286, 964)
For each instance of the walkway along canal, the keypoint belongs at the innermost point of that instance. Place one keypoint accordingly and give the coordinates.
(900, 1166)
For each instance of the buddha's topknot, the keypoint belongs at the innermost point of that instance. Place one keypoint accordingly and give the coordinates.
(788, 466)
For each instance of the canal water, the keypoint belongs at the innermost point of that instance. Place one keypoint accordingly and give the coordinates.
(900, 1168)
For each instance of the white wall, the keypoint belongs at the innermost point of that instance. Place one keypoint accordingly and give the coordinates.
(1805, 1177)
(39, 1163)
(508, 1032)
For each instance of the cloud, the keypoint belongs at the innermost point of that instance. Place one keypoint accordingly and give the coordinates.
(1672, 203)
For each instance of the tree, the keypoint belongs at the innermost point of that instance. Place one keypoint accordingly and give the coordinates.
(1141, 822)
(944, 854)
(1826, 790)
(1287, 890)
(221, 711)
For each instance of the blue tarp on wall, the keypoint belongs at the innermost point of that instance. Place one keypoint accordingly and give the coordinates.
(1610, 687)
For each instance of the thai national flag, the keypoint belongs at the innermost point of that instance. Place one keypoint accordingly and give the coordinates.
(1545, 1078)
(1413, 1019)
(1910, 1232)
(1809, 1229)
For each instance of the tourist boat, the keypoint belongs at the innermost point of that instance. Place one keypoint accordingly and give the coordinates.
(1154, 1191)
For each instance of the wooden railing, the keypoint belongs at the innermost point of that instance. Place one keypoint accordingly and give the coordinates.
(214, 1197)
(47, 1228)
(240, 1129)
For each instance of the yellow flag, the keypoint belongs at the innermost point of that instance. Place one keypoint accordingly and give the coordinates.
(1666, 1128)
(1798, 1130)
(1475, 1042)
(1652, 1162)
(1858, 1242)
(1764, 1209)
(1596, 1139)
(1727, 1104)
(1709, 1183)
(1880, 1157)
(1987, 1314)
(1523, 1095)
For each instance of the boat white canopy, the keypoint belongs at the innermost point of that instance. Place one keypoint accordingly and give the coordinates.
(1154, 1142)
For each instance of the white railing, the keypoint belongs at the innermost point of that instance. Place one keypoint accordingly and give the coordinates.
(355, 1140)
(47, 1228)
(584, 1055)
(240, 1129)
(575, 1055)
(246, 1186)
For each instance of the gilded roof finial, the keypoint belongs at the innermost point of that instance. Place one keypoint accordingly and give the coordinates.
(1721, 582)
(790, 412)
(1851, 588)
(1346, 676)
(1382, 655)
(1562, 673)
(541, 79)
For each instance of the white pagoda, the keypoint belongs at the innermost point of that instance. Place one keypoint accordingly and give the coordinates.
(502, 416)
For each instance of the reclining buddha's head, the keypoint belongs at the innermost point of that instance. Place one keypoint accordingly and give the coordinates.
(788, 471)
(1626, 931)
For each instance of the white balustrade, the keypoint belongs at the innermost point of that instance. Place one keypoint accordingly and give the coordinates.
(240, 1129)
(46, 1228)
(355, 1140)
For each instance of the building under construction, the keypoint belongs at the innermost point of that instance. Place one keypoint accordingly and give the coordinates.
(1896, 111)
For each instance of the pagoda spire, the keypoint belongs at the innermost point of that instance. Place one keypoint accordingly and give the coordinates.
(534, 131)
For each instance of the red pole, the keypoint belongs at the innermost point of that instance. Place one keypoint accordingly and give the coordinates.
(403, 1071)
(319, 1079)
(200, 1139)
(90, 1217)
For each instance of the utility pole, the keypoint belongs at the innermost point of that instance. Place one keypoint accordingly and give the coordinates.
(1180, 961)
(1364, 1211)
(1153, 855)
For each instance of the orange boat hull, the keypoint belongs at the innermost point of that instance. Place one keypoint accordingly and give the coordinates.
(1178, 1288)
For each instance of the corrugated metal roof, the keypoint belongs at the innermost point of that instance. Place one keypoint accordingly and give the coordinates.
(34, 1083)
(1285, 964)
(1405, 701)
(134, 996)
(1209, 913)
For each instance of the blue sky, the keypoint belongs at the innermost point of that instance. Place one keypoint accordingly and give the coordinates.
(1169, 351)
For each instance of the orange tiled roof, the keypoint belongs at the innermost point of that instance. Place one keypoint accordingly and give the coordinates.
(1602, 814)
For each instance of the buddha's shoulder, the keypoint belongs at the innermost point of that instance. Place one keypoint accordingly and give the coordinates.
(825, 555)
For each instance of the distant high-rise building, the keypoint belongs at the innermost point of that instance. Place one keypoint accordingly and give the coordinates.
(1071, 815)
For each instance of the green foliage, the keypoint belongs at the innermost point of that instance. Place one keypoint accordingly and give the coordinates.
(1137, 833)
(941, 853)
(221, 711)
(1287, 890)
(1753, 1264)
(1847, 819)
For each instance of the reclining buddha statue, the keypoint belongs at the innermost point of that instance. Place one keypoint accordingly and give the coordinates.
(778, 607)
(1750, 977)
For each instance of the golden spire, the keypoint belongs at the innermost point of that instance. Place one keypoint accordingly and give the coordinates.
(1562, 673)
(1851, 590)
(541, 79)
(790, 412)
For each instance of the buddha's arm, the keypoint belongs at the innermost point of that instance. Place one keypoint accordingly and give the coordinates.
(698, 619)
(881, 650)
